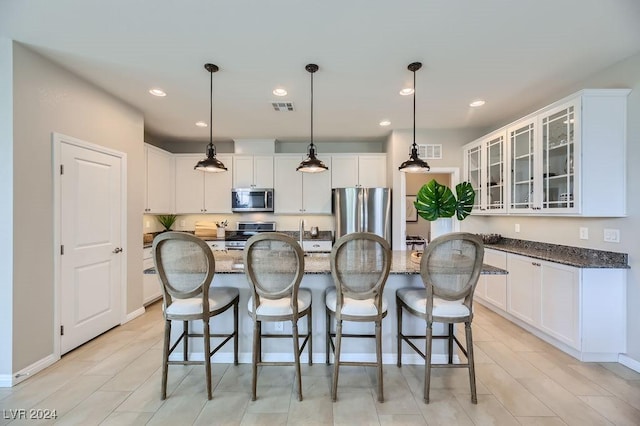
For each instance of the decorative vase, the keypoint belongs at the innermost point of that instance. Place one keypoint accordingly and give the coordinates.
(440, 226)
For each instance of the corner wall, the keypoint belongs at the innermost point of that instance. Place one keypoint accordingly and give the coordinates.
(6, 210)
(48, 98)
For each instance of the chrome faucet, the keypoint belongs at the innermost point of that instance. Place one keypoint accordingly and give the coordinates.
(301, 230)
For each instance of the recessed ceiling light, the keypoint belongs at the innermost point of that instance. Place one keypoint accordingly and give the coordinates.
(279, 92)
(407, 91)
(201, 124)
(157, 92)
(477, 103)
(385, 123)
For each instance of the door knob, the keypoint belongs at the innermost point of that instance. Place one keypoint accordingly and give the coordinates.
(117, 250)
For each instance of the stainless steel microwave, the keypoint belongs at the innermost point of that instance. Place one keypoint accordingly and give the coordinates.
(252, 199)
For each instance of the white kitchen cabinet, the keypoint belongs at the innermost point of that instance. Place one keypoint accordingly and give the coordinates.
(202, 192)
(555, 156)
(352, 170)
(251, 171)
(217, 245)
(581, 311)
(159, 175)
(296, 192)
(560, 159)
(484, 166)
(151, 287)
(317, 245)
(493, 288)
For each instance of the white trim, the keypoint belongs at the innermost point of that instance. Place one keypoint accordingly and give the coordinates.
(133, 315)
(7, 381)
(627, 361)
(57, 139)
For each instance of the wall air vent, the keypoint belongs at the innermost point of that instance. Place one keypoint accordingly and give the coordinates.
(430, 152)
(282, 106)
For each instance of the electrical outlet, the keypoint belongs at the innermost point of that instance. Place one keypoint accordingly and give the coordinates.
(611, 235)
(279, 326)
(183, 223)
(517, 227)
(147, 224)
(584, 233)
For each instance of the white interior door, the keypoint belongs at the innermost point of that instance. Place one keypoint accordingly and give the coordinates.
(91, 254)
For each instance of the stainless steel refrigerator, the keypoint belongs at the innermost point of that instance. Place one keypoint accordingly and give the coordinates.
(362, 210)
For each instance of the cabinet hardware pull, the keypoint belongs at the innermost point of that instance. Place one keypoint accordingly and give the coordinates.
(117, 250)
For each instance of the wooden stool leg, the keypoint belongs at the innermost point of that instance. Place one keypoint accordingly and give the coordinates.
(235, 330)
(207, 355)
(336, 361)
(254, 361)
(450, 340)
(296, 357)
(328, 337)
(165, 358)
(399, 336)
(470, 361)
(427, 361)
(310, 334)
(379, 360)
(185, 341)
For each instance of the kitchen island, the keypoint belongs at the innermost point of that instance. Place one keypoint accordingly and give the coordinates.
(404, 273)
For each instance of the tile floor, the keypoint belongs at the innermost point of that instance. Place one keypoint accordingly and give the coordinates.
(115, 380)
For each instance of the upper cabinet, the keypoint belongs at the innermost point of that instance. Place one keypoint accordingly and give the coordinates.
(253, 171)
(159, 168)
(565, 159)
(484, 162)
(296, 192)
(202, 192)
(352, 170)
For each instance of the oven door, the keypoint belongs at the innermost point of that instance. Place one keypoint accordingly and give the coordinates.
(252, 200)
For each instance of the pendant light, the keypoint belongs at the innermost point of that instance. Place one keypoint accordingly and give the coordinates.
(312, 164)
(211, 163)
(414, 164)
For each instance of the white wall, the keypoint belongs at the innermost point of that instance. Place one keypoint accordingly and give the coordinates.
(6, 208)
(48, 98)
(566, 230)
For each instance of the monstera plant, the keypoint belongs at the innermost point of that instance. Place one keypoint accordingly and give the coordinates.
(436, 201)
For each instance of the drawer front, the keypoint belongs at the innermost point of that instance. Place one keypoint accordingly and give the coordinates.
(146, 253)
(216, 245)
(316, 245)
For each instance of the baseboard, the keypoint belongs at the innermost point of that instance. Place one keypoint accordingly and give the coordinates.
(627, 361)
(7, 381)
(133, 315)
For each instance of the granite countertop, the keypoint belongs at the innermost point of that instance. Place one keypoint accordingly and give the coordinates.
(566, 255)
(231, 262)
(322, 236)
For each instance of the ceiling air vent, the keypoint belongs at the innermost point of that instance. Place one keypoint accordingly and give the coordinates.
(430, 151)
(282, 106)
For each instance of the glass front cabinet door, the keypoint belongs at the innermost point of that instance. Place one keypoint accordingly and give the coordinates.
(522, 194)
(484, 169)
(559, 155)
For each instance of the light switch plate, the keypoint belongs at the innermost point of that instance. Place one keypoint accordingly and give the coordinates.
(584, 233)
(517, 227)
(611, 235)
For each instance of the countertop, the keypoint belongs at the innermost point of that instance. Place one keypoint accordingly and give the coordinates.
(231, 262)
(566, 255)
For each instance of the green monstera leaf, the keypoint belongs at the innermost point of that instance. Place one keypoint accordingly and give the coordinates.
(466, 196)
(435, 201)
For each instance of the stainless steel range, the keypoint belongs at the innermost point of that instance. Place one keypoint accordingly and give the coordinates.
(236, 240)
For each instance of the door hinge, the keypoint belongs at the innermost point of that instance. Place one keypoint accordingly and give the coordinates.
(61, 169)
(62, 249)
(62, 330)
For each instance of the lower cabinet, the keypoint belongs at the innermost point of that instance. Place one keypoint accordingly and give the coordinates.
(151, 290)
(493, 288)
(581, 311)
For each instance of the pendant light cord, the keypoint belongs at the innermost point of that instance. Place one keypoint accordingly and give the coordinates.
(211, 107)
(414, 108)
(311, 109)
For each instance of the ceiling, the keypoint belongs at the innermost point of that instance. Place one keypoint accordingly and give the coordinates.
(513, 54)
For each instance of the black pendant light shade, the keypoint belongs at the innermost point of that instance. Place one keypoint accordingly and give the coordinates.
(312, 164)
(211, 163)
(414, 164)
